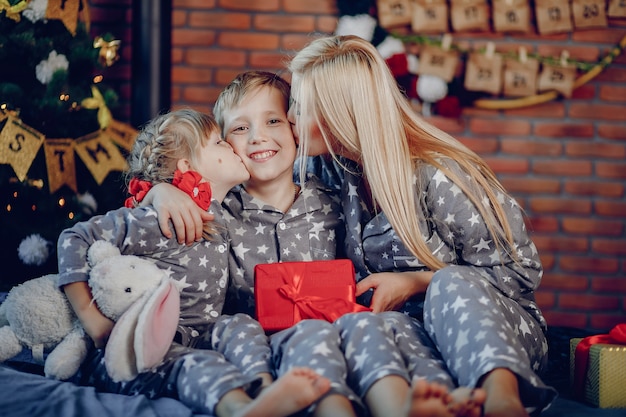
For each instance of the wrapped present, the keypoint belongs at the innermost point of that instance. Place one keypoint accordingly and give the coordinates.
(287, 292)
(598, 368)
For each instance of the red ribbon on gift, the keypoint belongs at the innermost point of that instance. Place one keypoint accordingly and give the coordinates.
(616, 336)
(316, 307)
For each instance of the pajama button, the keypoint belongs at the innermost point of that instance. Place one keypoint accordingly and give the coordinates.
(282, 226)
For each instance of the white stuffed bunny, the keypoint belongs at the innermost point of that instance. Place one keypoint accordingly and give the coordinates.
(133, 292)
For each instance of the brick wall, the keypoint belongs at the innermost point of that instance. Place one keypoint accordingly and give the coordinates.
(565, 161)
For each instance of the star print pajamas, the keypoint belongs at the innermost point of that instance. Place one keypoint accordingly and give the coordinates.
(199, 378)
(260, 233)
(479, 312)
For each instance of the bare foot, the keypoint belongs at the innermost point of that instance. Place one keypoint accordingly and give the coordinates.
(429, 399)
(467, 402)
(503, 395)
(297, 389)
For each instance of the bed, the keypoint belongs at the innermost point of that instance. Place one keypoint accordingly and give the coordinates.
(25, 392)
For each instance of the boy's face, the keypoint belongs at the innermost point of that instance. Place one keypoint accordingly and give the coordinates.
(259, 132)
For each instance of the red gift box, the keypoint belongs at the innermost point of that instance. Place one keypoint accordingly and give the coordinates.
(287, 292)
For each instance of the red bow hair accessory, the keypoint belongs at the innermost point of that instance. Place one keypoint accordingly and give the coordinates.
(189, 182)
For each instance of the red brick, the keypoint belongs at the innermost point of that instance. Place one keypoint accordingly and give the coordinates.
(588, 302)
(596, 150)
(217, 20)
(557, 318)
(609, 284)
(244, 40)
(286, 23)
(531, 147)
(507, 165)
(193, 4)
(294, 42)
(612, 131)
(455, 126)
(597, 111)
(190, 75)
(613, 93)
(203, 57)
(612, 170)
(326, 24)
(562, 168)
(308, 6)
(544, 224)
(482, 146)
(552, 243)
(610, 208)
(564, 282)
(560, 205)
(531, 185)
(564, 130)
(548, 261)
(482, 126)
(611, 247)
(223, 76)
(544, 299)
(267, 60)
(612, 74)
(193, 37)
(588, 226)
(201, 95)
(589, 264)
(551, 109)
(594, 188)
(251, 5)
(584, 92)
(179, 18)
(605, 322)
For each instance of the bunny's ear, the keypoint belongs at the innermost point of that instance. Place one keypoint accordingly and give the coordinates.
(157, 326)
(119, 356)
(143, 334)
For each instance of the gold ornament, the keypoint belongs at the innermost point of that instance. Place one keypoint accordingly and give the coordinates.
(109, 51)
(97, 102)
(13, 12)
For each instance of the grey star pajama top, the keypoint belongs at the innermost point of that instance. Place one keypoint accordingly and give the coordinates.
(260, 233)
(479, 312)
(198, 378)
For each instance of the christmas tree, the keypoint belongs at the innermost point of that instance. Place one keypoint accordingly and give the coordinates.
(61, 152)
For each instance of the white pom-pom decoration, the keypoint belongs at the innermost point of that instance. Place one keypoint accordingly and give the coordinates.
(33, 250)
(413, 63)
(88, 203)
(36, 10)
(361, 25)
(47, 67)
(390, 46)
(430, 89)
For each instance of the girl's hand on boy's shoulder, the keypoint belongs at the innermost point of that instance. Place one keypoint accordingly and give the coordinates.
(393, 289)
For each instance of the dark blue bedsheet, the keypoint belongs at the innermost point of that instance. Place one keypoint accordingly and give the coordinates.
(24, 394)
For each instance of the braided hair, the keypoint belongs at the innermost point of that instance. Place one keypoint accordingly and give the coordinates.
(164, 140)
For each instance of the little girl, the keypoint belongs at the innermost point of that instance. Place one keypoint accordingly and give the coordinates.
(183, 148)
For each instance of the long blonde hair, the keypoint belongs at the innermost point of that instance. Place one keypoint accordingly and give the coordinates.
(342, 84)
